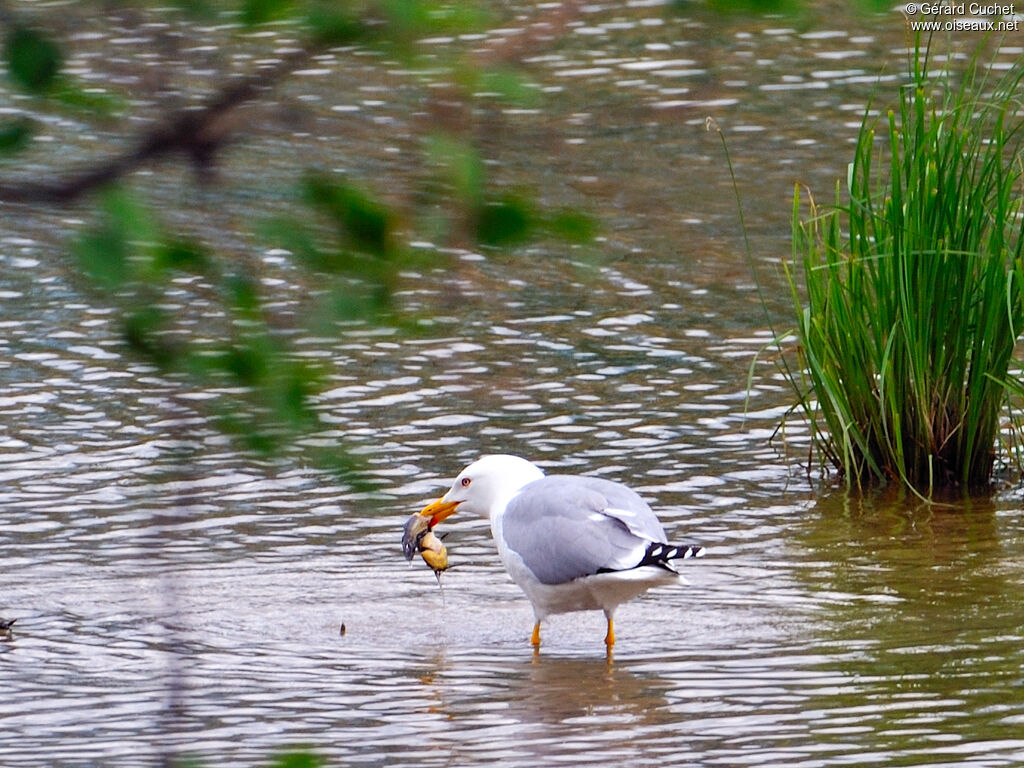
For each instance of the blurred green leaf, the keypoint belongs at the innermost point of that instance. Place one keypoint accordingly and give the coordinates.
(426, 17)
(299, 241)
(142, 332)
(367, 224)
(504, 222)
(458, 163)
(753, 7)
(297, 760)
(243, 295)
(200, 9)
(249, 430)
(363, 222)
(15, 134)
(341, 305)
(332, 25)
(33, 59)
(297, 387)
(407, 17)
(294, 236)
(572, 225)
(509, 85)
(92, 101)
(125, 213)
(182, 256)
(128, 245)
(103, 256)
(261, 11)
(246, 364)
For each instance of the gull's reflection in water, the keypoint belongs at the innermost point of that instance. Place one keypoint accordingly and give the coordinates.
(525, 709)
(560, 689)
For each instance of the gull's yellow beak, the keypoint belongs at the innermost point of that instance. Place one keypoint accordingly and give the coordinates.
(438, 510)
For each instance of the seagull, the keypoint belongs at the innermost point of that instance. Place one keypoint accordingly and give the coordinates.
(571, 543)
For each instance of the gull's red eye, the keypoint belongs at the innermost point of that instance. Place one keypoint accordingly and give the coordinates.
(465, 482)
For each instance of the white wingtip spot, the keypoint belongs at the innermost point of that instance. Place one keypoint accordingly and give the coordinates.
(620, 513)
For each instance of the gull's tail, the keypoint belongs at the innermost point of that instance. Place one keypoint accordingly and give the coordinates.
(662, 555)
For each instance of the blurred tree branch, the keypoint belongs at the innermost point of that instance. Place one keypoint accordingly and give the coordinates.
(196, 133)
(341, 237)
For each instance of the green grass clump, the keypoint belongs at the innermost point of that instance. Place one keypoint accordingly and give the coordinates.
(915, 287)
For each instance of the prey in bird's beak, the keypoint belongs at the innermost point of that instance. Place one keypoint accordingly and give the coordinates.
(416, 527)
(418, 536)
(434, 553)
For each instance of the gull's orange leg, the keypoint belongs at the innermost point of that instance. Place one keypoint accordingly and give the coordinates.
(535, 637)
(609, 639)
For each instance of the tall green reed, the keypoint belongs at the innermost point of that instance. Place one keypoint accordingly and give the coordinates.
(914, 287)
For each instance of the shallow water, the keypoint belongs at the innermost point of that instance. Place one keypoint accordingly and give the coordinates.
(197, 609)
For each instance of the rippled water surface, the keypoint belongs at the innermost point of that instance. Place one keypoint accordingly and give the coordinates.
(224, 610)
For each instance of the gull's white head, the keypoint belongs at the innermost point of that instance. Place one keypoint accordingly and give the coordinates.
(484, 487)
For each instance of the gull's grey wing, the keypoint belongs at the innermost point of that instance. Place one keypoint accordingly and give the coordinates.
(565, 527)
